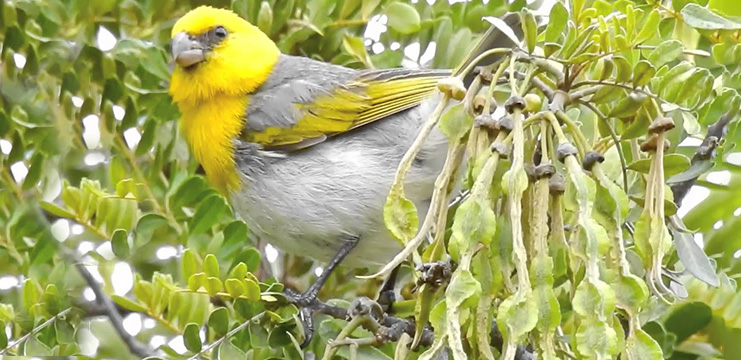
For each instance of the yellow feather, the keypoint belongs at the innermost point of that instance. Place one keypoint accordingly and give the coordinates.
(213, 96)
(209, 128)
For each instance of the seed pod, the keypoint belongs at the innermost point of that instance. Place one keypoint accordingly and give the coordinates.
(453, 87)
(557, 184)
(485, 121)
(501, 149)
(565, 149)
(479, 101)
(484, 73)
(530, 172)
(590, 159)
(505, 124)
(660, 125)
(533, 103)
(514, 102)
(544, 171)
(651, 144)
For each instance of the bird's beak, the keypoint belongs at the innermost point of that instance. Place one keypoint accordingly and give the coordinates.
(187, 51)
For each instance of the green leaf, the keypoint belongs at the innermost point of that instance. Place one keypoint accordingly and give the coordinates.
(631, 293)
(211, 266)
(455, 123)
(3, 336)
(665, 52)
(65, 331)
(628, 106)
(702, 18)
(650, 27)
(673, 164)
(120, 244)
(213, 285)
(31, 295)
(400, 215)
(725, 7)
(265, 17)
(642, 346)
(196, 281)
(529, 29)
(235, 287)
(696, 169)
(556, 23)
(56, 210)
(34, 171)
(369, 7)
(191, 338)
(147, 139)
(643, 72)
(129, 304)
(474, 223)
(688, 319)
(693, 258)
(596, 340)
(190, 264)
(218, 321)
(354, 45)
(402, 17)
(208, 213)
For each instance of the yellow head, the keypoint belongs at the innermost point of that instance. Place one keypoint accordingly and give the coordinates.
(218, 53)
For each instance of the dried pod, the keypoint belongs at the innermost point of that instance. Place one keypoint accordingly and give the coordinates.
(660, 125)
(485, 121)
(557, 184)
(590, 159)
(544, 171)
(501, 149)
(479, 102)
(505, 124)
(453, 87)
(484, 72)
(651, 144)
(565, 149)
(530, 172)
(514, 102)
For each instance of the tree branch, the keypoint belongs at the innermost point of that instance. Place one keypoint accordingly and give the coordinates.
(106, 307)
(393, 327)
(704, 152)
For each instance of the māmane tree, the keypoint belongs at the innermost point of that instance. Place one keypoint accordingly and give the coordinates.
(556, 228)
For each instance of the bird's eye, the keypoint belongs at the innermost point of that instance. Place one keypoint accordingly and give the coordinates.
(220, 32)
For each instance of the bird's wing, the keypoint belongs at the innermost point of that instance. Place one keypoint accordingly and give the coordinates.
(295, 112)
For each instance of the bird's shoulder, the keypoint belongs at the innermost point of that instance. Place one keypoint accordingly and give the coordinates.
(304, 101)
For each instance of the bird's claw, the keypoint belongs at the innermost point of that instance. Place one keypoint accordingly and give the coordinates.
(303, 302)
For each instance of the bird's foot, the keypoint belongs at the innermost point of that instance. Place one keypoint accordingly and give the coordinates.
(304, 302)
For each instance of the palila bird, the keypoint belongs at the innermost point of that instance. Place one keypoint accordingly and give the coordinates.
(305, 151)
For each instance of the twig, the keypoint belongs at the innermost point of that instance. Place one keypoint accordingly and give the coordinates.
(613, 135)
(35, 330)
(393, 327)
(228, 335)
(108, 308)
(706, 151)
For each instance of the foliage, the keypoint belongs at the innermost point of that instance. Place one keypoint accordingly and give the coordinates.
(565, 237)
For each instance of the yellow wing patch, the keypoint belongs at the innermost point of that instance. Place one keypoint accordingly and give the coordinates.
(365, 100)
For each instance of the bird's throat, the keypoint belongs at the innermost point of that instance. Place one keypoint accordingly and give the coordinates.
(209, 128)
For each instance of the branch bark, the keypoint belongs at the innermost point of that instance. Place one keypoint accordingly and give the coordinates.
(393, 327)
(106, 307)
(706, 151)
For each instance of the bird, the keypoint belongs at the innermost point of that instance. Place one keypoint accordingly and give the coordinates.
(305, 151)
